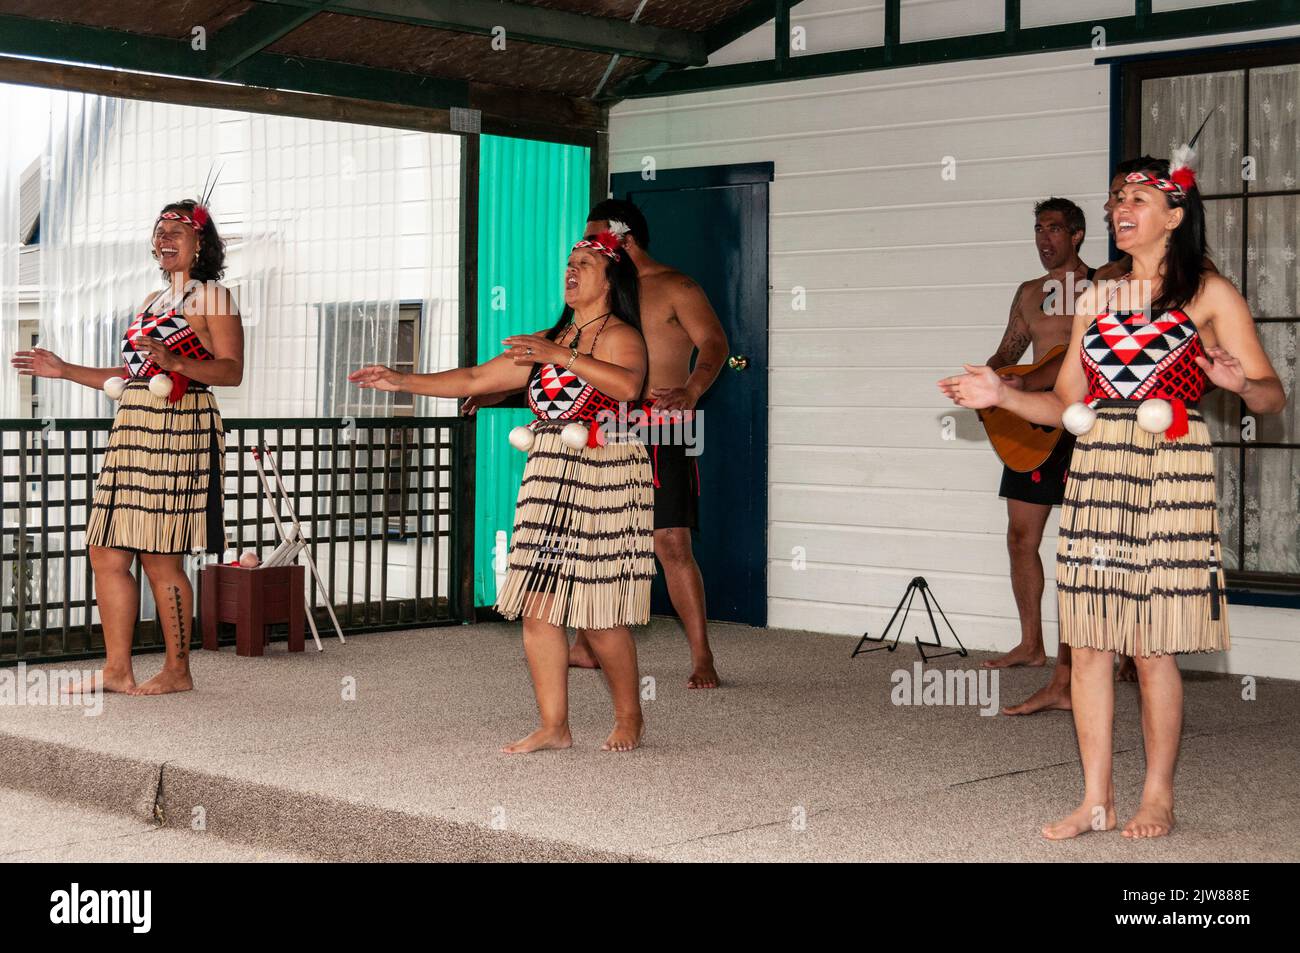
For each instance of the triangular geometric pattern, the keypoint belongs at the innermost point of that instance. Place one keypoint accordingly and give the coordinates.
(1125, 355)
(557, 394)
(172, 330)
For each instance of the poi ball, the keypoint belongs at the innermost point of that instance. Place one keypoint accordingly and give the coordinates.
(521, 438)
(115, 387)
(248, 559)
(1155, 415)
(1078, 418)
(574, 436)
(160, 385)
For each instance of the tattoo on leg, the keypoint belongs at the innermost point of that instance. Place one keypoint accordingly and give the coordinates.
(183, 642)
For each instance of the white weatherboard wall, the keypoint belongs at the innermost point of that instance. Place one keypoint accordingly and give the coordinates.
(907, 277)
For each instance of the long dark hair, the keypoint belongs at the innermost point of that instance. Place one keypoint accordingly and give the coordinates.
(211, 263)
(1185, 254)
(624, 296)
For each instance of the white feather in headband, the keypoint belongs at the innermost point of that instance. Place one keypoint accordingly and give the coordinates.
(618, 228)
(1182, 164)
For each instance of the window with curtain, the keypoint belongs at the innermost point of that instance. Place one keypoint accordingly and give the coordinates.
(351, 334)
(1249, 176)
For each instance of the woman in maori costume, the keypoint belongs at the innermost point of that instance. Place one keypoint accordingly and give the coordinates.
(158, 494)
(582, 551)
(1138, 567)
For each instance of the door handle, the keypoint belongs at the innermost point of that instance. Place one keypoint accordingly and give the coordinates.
(738, 362)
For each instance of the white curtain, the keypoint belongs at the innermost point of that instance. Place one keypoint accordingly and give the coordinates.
(331, 229)
(1259, 489)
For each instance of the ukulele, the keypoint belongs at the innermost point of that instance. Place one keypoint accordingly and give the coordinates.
(1021, 445)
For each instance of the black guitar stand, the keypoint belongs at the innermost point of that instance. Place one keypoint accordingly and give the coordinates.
(918, 584)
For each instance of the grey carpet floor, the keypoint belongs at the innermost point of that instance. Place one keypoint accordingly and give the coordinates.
(802, 755)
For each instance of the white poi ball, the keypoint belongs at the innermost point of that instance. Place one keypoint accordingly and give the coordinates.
(114, 387)
(1078, 418)
(249, 559)
(1155, 415)
(521, 438)
(160, 385)
(574, 436)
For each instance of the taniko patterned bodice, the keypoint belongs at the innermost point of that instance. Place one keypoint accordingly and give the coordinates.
(1127, 356)
(557, 394)
(172, 330)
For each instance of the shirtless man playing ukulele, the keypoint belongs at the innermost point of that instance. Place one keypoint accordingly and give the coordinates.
(1042, 315)
(676, 320)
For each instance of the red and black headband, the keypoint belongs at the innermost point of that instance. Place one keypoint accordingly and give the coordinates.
(196, 219)
(608, 242)
(1182, 170)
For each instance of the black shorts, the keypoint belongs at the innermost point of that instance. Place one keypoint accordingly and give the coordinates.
(677, 485)
(1044, 486)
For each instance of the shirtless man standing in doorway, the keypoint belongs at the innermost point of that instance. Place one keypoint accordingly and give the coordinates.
(676, 321)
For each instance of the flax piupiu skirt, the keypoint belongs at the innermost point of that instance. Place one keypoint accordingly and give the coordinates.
(160, 487)
(1138, 567)
(583, 535)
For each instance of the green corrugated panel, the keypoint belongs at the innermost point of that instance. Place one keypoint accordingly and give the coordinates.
(533, 201)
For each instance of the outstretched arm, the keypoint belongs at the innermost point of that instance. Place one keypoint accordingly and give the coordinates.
(980, 387)
(38, 362)
(502, 373)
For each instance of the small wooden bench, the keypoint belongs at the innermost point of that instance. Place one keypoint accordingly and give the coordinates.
(252, 599)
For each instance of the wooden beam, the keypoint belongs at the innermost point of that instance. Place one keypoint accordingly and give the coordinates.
(259, 27)
(600, 167)
(464, 487)
(530, 24)
(1165, 25)
(568, 121)
(749, 18)
(506, 110)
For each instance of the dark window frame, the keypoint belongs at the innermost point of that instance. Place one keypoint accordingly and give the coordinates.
(412, 311)
(1248, 586)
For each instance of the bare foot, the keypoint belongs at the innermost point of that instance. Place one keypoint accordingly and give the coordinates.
(1020, 655)
(1054, 696)
(625, 736)
(580, 656)
(1087, 817)
(164, 683)
(1127, 671)
(104, 680)
(1153, 819)
(704, 676)
(543, 739)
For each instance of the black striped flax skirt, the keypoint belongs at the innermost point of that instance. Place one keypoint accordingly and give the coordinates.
(160, 487)
(582, 551)
(1138, 567)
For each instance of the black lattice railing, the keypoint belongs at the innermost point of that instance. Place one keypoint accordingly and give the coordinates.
(382, 501)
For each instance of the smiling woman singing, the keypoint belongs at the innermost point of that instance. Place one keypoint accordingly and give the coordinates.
(582, 550)
(1138, 567)
(158, 494)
